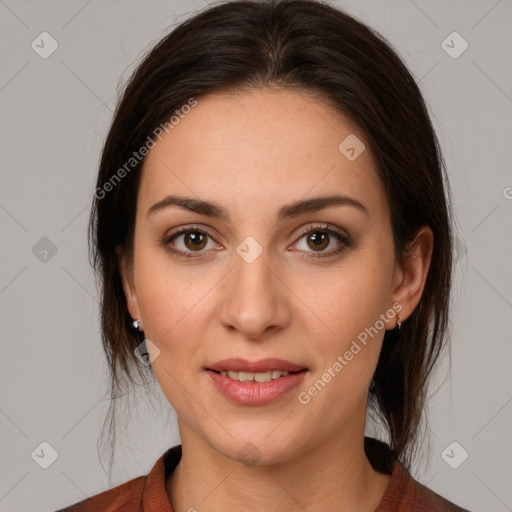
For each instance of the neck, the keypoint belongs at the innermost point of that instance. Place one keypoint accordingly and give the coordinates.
(329, 476)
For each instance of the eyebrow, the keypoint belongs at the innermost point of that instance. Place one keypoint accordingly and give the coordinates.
(288, 211)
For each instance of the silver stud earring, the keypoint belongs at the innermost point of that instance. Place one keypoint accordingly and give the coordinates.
(136, 324)
(399, 321)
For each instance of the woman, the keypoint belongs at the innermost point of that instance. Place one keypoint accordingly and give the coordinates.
(273, 234)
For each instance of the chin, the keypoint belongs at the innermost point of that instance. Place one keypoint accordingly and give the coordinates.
(253, 449)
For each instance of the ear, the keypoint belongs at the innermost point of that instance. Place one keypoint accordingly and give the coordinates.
(409, 281)
(126, 273)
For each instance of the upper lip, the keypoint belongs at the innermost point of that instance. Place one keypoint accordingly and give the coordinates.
(263, 365)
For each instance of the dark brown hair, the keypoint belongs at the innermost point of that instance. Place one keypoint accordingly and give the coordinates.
(302, 45)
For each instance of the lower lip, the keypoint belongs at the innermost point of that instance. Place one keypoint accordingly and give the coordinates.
(256, 393)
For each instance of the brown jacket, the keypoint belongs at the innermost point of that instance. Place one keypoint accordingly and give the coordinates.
(148, 493)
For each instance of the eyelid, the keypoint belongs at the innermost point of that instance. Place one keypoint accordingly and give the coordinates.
(322, 226)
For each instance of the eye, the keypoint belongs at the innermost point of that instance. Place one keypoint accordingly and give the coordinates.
(319, 238)
(187, 240)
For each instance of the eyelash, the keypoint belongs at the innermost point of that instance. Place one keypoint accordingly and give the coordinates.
(345, 241)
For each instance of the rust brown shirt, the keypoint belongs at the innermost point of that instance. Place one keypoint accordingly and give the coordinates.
(148, 493)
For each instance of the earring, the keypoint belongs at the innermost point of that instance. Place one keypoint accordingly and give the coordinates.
(137, 324)
(399, 321)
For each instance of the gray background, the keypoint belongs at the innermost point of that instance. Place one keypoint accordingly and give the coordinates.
(54, 116)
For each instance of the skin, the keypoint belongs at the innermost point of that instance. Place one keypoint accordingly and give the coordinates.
(252, 153)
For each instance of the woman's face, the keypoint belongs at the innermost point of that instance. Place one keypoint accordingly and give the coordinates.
(255, 286)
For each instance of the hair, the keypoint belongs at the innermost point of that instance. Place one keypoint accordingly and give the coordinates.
(301, 45)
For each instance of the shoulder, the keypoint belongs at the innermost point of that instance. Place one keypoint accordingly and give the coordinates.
(146, 493)
(126, 497)
(426, 499)
(405, 494)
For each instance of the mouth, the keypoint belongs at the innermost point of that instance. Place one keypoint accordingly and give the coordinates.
(263, 370)
(255, 383)
(255, 377)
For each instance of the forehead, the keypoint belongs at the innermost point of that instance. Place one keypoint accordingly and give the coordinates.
(253, 151)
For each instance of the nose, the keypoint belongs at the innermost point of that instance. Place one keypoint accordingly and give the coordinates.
(255, 298)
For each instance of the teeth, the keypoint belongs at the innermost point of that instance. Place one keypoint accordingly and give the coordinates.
(257, 377)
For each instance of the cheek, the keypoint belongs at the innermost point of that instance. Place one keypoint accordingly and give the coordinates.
(348, 299)
(346, 360)
(162, 295)
(173, 299)
(169, 308)
(347, 323)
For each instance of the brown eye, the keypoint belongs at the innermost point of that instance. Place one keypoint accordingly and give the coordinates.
(194, 240)
(318, 240)
(186, 241)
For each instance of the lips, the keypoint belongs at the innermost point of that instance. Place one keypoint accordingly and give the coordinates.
(255, 383)
(256, 393)
(264, 365)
